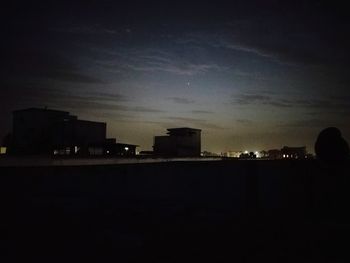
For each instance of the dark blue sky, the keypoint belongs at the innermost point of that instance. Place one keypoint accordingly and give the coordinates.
(251, 74)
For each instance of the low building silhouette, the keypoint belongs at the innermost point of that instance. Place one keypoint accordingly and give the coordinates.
(209, 154)
(232, 154)
(47, 131)
(293, 152)
(119, 149)
(274, 154)
(180, 142)
(80, 136)
(288, 153)
(247, 155)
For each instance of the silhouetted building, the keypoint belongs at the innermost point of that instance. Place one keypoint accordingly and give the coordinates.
(46, 131)
(209, 154)
(79, 137)
(180, 142)
(274, 154)
(263, 154)
(293, 152)
(119, 149)
(247, 155)
(232, 154)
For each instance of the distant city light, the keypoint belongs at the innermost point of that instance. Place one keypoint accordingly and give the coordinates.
(246, 152)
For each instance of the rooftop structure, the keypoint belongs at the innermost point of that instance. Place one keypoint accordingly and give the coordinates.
(184, 142)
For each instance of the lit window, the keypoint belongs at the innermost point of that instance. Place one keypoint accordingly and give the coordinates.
(126, 148)
(3, 150)
(67, 150)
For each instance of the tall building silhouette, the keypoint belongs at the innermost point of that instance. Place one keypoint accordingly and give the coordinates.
(46, 131)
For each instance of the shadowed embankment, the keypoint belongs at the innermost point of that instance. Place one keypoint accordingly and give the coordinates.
(227, 211)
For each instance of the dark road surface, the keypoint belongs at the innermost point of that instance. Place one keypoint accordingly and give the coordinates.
(228, 211)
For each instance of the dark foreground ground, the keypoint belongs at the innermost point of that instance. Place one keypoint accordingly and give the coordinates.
(227, 211)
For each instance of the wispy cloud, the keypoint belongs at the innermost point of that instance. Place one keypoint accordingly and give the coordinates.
(278, 102)
(40, 65)
(245, 99)
(244, 121)
(82, 103)
(261, 36)
(202, 112)
(193, 122)
(177, 68)
(287, 42)
(329, 104)
(155, 60)
(185, 119)
(103, 103)
(72, 76)
(104, 96)
(143, 109)
(233, 39)
(181, 100)
(307, 123)
(250, 99)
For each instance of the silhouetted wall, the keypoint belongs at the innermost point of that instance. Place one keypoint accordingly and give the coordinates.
(33, 129)
(79, 132)
(41, 131)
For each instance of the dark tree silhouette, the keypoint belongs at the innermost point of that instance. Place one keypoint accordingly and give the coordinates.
(331, 146)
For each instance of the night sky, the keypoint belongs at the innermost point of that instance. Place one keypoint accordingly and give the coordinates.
(252, 75)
